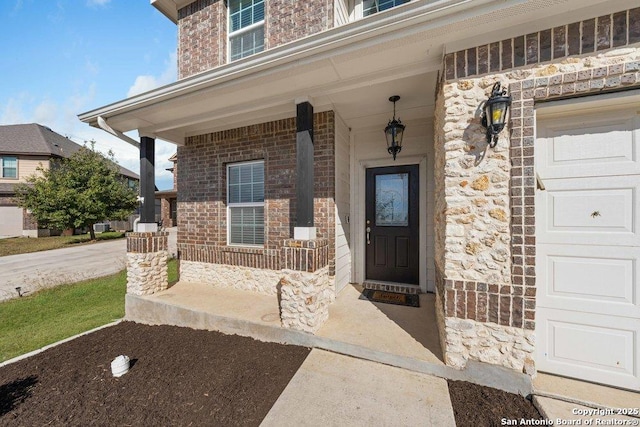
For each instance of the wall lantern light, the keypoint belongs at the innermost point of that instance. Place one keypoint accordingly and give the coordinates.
(495, 113)
(394, 131)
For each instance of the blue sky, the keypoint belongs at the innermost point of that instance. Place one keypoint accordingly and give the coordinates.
(65, 57)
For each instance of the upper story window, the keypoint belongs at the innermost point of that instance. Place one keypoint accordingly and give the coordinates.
(9, 167)
(245, 203)
(246, 28)
(369, 7)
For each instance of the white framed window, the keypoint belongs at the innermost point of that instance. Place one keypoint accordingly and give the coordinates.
(9, 167)
(246, 28)
(245, 203)
(365, 8)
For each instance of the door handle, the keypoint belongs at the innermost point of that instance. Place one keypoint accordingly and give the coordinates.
(368, 235)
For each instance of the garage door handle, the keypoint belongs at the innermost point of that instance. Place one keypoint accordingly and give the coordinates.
(539, 183)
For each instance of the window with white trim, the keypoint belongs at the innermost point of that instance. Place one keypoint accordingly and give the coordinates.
(246, 28)
(369, 7)
(245, 203)
(9, 167)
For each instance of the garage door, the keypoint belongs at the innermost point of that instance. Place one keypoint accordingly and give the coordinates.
(10, 221)
(588, 243)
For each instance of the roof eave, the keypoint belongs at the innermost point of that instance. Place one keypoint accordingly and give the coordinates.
(316, 44)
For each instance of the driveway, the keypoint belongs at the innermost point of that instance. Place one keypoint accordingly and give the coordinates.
(45, 269)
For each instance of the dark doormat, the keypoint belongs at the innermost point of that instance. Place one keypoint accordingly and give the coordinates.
(411, 300)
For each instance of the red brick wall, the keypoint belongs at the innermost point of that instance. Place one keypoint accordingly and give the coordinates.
(202, 37)
(202, 29)
(288, 20)
(202, 180)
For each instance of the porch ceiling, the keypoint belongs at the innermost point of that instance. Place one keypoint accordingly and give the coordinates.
(351, 69)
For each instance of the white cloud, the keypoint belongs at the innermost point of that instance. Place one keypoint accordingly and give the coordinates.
(45, 112)
(13, 111)
(147, 82)
(94, 3)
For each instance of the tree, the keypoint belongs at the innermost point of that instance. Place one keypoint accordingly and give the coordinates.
(78, 191)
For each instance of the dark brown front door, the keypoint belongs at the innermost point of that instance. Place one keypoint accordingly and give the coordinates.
(392, 225)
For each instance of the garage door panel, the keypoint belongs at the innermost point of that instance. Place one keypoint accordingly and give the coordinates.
(589, 279)
(589, 211)
(601, 348)
(588, 244)
(10, 221)
(589, 145)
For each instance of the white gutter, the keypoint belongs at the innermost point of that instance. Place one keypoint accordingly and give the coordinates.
(105, 127)
(292, 53)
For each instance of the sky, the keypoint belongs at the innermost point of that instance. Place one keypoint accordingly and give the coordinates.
(60, 58)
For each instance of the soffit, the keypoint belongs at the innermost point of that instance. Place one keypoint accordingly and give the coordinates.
(352, 69)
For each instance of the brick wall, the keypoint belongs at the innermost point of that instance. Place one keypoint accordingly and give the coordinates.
(202, 35)
(202, 29)
(202, 229)
(7, 201)
(288, 21)
(578, 38)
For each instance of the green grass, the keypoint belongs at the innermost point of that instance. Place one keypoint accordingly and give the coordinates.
(33, 321)
(23, 245)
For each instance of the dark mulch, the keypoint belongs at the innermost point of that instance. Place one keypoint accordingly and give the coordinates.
(475, 405)
(179, 376)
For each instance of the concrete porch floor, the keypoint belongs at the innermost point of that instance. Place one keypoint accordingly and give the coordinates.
(405, 337)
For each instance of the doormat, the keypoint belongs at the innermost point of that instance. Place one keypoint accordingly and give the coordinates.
(411, 300)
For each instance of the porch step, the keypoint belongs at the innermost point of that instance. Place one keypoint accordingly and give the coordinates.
(391, 287)
(355, 328)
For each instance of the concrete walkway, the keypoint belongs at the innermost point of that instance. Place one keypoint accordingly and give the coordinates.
(39, 270)
(330, 389)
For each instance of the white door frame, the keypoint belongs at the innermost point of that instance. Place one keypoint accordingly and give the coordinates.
(358, 261)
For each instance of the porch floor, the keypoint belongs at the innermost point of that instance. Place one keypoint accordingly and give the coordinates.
(405, 337)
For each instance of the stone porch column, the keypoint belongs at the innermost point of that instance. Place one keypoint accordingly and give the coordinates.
(147, 254)
(305, 291)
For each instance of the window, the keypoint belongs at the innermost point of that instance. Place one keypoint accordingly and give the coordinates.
(246, 28)
(9, 167)
(245, 203)
(369, 7)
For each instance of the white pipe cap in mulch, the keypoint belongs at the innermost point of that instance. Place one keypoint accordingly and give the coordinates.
(120, 366)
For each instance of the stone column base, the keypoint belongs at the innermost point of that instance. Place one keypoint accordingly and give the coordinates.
(305, 299)
(305, 290)
(147, 257)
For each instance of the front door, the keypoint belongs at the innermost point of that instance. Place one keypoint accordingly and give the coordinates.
(392, 224)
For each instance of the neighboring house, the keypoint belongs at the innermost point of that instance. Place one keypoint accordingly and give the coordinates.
(23, 148)
(532, 247)
(169, 198)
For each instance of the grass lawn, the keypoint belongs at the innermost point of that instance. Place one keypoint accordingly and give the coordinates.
(23, 245)
(33, 321)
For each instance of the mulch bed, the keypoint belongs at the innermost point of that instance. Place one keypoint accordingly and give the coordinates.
(475, 405)
(182, 377)
(179, 376)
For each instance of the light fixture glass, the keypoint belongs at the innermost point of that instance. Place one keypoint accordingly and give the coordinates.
(394, 131)
(494, 116)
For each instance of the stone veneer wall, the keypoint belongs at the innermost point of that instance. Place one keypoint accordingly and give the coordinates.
(485, 198)
(147, 255)
(202, 229)
(305, 288)
(202, 29)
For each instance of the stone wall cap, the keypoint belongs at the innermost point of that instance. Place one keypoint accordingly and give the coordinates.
(147, 234)
(307, 244)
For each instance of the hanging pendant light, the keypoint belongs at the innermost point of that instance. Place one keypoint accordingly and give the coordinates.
(394, 131)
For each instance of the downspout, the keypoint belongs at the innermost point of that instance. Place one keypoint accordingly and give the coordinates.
(105, 127)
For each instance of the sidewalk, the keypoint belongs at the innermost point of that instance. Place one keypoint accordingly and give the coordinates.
(328, 386)
(45, 269)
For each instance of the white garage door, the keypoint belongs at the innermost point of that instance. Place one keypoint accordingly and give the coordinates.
(10, 221)
(588, 243)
